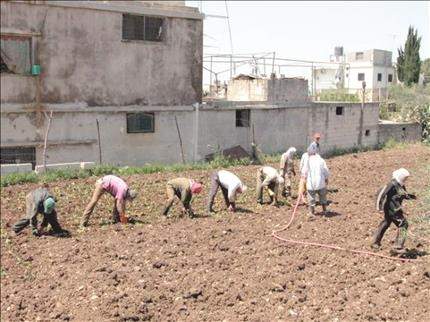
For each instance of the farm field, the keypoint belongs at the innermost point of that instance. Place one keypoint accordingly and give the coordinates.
(226, 267)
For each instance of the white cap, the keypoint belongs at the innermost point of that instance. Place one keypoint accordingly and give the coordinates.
(400, 175)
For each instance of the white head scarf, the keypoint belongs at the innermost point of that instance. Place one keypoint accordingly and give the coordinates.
(400, 175)
(290, 152)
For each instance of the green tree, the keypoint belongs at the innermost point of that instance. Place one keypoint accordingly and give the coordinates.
(408, 61)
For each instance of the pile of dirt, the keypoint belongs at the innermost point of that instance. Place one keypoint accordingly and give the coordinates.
(224, 267)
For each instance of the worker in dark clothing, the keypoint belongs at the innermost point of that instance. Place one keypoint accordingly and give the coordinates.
(40, 201)
(390, 200)
(184, 189)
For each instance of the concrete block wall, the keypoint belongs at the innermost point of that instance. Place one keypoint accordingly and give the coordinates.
(401, 132)
(15, 168)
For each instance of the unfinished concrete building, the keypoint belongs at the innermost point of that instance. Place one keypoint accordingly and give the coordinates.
(123, 81)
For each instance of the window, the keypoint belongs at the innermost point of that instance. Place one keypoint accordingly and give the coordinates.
(379, 77)
(242, 118)
(361, 76)
(140, 122)
(339, 110)
(390, 78)
(142, 28)
(367, 133)
(359, 55)
(15, 54)
(18, 155)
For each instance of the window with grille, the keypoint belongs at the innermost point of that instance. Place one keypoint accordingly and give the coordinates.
(140, 122)
(361, 76)
(15, 54)
(18, 155)
(142, 28)
(242, 118)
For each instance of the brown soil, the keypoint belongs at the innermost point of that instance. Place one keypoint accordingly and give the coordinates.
(225, 267)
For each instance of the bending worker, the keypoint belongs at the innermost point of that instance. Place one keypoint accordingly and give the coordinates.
(316, 173)
(270, 178)
(286, 167)
(390, 201)
(40, 201)
(184, 189)
(230, 186)
(119, 190)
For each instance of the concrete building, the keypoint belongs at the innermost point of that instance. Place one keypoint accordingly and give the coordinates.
(127, 56)
(124, 83)
(373, 66)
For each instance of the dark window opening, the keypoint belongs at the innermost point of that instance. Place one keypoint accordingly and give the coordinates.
(367, 133)
(379, 77)
(390, 78)
(18, 155)
(403, 129)
(339, 110)
(15, 54)
(142, 28)
(140, 122)
(361, 76)
(242, 118)
(359, 55)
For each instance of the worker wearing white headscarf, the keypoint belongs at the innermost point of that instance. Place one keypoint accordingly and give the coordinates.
(389, 200)
(286, 168)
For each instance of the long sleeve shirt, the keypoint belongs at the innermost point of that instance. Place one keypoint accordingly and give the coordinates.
(286, 164)
(270, 174)
(231, 182)
(392, 196)
(35, 204)
(183, 185)
(316, 172)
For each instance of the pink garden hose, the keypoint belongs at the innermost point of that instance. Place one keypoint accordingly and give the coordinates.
(362, 252)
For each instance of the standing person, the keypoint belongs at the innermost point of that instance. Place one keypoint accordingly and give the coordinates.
(40, 201)
(316, 173)
(390, 201)
(119, 190)
(302, 183)
(286, 167)
(184, 189)
(316, 142)
(230, 186)
(270, 178)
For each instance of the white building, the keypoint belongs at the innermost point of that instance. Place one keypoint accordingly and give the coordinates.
(373, 66)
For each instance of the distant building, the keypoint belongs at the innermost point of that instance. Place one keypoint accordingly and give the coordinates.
(373, 66)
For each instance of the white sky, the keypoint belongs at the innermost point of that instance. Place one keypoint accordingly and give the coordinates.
(311, 30)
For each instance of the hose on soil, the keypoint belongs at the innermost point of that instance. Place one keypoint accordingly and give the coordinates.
(299, 242)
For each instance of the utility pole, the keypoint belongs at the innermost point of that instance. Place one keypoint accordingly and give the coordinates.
(360, 132)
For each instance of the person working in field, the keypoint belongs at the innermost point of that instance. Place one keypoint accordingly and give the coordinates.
(268, 177)
(389, 201)
(40, 201)
(286, 167)
(301, 194)
(119, 190)
(316, 174)
(184, 189)
(230, 186)
(316, 142)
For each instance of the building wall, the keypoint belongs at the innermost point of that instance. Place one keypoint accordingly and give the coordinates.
(279, 90)
(275, 128)
(401, 132)
(84, 59)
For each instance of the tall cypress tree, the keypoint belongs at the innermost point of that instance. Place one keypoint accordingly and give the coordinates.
(408, 61)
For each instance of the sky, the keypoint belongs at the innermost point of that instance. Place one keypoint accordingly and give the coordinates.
(311, 30)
